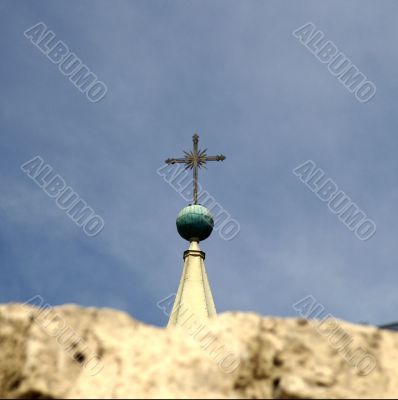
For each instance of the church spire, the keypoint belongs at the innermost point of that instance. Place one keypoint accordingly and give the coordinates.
(194, 223)
(194, 298)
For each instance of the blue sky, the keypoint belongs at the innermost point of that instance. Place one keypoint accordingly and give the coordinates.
(233, 72)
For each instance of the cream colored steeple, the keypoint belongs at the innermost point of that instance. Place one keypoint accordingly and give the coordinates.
(195, 223)
(194, 299)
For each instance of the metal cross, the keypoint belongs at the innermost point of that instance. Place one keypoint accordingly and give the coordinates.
(194, 160)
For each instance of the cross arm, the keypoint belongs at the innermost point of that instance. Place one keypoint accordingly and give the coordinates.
(216, 158)
(175, 161)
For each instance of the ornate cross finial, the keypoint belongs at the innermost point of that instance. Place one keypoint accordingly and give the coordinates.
(194, 160)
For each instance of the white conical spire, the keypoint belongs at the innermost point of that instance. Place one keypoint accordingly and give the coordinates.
(194, 298)
(194, 223)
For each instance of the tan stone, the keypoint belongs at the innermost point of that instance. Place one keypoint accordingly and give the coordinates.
(73, 352)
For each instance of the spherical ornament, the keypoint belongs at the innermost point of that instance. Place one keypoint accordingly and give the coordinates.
(195, 223)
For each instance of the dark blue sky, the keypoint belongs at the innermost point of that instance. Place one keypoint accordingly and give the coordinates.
(234, 72)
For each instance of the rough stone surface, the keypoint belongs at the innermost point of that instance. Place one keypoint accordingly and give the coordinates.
(72, 352)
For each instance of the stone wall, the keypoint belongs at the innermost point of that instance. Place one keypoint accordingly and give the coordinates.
(74, 352)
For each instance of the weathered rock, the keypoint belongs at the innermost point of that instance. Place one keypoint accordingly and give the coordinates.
(73, 352)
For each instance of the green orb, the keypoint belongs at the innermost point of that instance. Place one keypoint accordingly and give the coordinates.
(195, 223)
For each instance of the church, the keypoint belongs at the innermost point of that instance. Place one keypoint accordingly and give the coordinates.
(194, 224)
